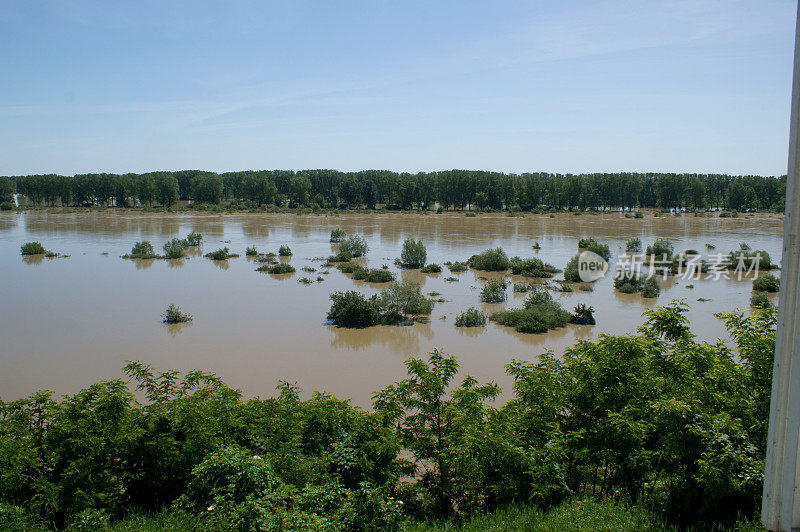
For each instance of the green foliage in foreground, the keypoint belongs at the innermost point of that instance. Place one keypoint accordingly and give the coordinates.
(492, 260)
(414, 254)
(471, 317)
(766, 283)
(654, 418)
(173, 314)
(32, 248)
(393, 305)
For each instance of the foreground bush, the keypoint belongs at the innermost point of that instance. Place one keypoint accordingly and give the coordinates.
(653, 418)
(760, 300)
(32, 248)
(766, 283)
(173, 314)
(414, 254)
(471, 317)
(492, 260)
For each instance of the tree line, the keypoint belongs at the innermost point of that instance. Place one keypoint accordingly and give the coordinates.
(451, 189)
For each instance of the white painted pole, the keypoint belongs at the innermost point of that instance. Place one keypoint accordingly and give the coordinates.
(780, 507)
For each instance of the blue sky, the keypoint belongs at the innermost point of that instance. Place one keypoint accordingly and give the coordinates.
(512, 86)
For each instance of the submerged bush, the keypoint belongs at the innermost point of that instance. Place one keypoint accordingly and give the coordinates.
(348, 267)
(494, 291)
(352, 309)
(251, 251)
(173, 314)
(221, 254)
(590, 244)
(276, 269)
(371, 276)
(651, 288)
(414, 254)
(661, 249)
(583, 315)
(766, 283)
(521, 287)
(540, 314)
(194, 239)
(746, 259)
(32, 248)
(393, 305)
(571, 272)
(432, 268)
(471, 317)
(337, 235)
(629, 282)
(492, 260)
(634, 245)
(406, 299)
(342, 256)
(354, 245)
(533, 267)
(142, 250)
(760, 300)
(175, 249)
(457, 267)
(284, 251)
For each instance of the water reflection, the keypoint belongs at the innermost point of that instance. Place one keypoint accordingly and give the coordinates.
(221, 264)
(174, 329)
(33, 259)
(143, 264)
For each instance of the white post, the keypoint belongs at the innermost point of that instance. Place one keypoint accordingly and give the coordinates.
(780, 507)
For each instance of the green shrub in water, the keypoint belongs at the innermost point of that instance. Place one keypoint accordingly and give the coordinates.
(221, 254)
(142, 250)
(583, 315)
(540, 314)
(471, 317)
(173, 314)
(354, 245)
(571, 273)
(634, 245)
(766, 283)
(337, 235)
(284, 251)
(414, 254)
(175, 249)
(492, 260)
(276, 269)
(432, 268)
(251, 251)
(494, 291)
(661, 249)
(533, 267)
(760, 300)
(457, 267)
(32, 248)
(194, 239)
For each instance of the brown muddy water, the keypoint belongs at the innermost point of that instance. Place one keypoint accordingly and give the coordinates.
(69, 322)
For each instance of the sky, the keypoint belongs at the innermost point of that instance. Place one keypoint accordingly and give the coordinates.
(567, 86)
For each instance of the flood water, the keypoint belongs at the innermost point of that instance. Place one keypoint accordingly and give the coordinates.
(68, 322)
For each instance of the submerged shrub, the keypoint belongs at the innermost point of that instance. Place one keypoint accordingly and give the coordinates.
(221, 254)
(348, 267)
(277, 269)
(353, 309)
(492, 260)
(354, 245)
(583, 315)
(142, 250)
(414, 254)
(175, 249)
(534, 318)
(251, 251)
(173, 314)
(432, 268)
(651, 288)
(521, 287)
(32, 248)
(747, 259)
(471, 317)
(533, 267)
(760, 300)
(406, 299)
(337, 235)
(284, 251)
(661, 248)
(634, 245)
(379, 276)
(342, 256)
(494, 291)
(571, 273)
(590, 244)
(457, 267)
(194, 239)
(766, 283)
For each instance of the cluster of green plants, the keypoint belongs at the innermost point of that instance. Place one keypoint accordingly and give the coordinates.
(582, 315)
(456, 267)
(341, 256)
(175, 249)
(276, 268)
(251, 251)
(354, 246)
(142, 250)
(194, 239)
(661, 249)
(284, 251)
(393, 305)
(748, 259)
(221, 254)
(337, 235)
(539, 314)
(760, 300)
(494, 291)
(173, 314)
(471, 317)
(633, 245)
(629, 282)
(590, 244)
(492, 260)
(413, 254)
(379, 275)
(32, 248)
(522, 287)
(533, 267)
(571, 271)
(766, 283)
(647, 424)
(431, 268)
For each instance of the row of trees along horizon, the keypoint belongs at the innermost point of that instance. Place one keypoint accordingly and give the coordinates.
(451, 189)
